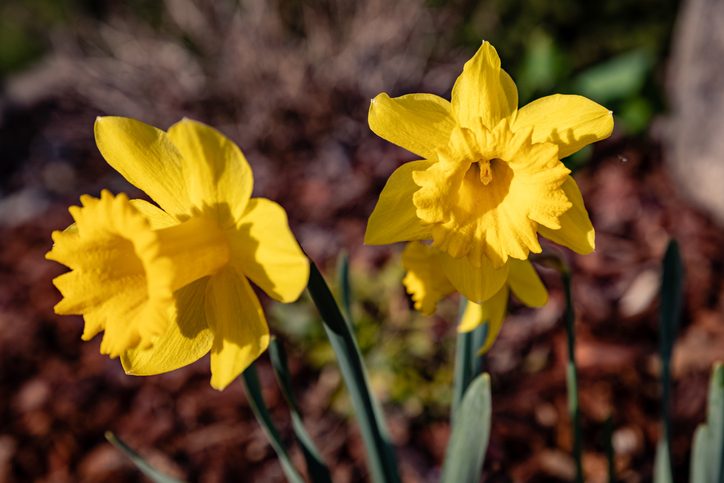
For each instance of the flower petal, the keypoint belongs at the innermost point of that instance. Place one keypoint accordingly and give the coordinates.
(425, 279)
(569, 121)
(240, 331)
(475, 283)
(484, 90)
(186, 340)
(420, 123)
(264, 249)
(217, 175)
(526, 284)
(156, 217)
(495, 310)
(394, 218)
(576, 230)
(146, 158)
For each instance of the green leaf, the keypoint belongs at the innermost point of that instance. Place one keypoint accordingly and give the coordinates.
(619, 78)
(380, 452)
(468, 443)
(707, 452)
(699, 471)
(662, 464)
(544, 65)
(672, 280)
(261, 412)
(318, 470)
(344, 285)
(152, 473)
(468, 362)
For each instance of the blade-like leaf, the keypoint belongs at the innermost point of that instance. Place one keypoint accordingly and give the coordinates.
(699, 471)
(380, 452)
(261, 412)
(662, 464)
(672, 280)
(468, 443)
(152, 473)
(318, 470)
(345, 287)
(707, 452)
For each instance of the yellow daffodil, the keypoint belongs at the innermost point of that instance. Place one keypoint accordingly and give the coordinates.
(491, 179)
(427, 282)
(169, 284)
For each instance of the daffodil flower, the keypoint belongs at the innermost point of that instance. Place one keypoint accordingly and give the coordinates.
(491, 179)
(427, 282)
(170, 283)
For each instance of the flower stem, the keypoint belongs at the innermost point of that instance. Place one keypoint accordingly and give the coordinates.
(572, 376)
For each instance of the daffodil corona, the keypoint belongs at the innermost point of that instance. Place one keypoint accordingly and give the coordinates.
(491, 179)
(170, 283)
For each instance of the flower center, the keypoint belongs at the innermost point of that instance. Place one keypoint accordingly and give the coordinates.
(485, 167)
(484, 186)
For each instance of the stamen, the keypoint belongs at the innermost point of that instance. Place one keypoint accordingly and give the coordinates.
(486, 172)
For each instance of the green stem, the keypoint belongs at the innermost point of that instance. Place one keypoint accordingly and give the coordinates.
(572, 377)
(316, 467)
(468, 363)
(261, 412)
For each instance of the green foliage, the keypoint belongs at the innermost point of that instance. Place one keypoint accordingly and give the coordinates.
(672, 280)
(404, 351)
(261, 412)
(469, 439)
(707, 452)
(152, 473)
(380, 453)
(317, 468)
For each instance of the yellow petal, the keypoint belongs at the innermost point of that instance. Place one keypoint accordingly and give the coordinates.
(394, 218)
(475, 283)
(473, 317)
(264, 249)
(420, 123)
(240, 331)
(576, 230)
(146, 158)
(569, 121)
(218, 177)
(484, 90)
(186, 339)
(425, 279)
(155, 215)
(494, 311)
(526, 284)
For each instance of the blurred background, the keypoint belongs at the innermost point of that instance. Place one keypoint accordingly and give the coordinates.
(290, 81)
